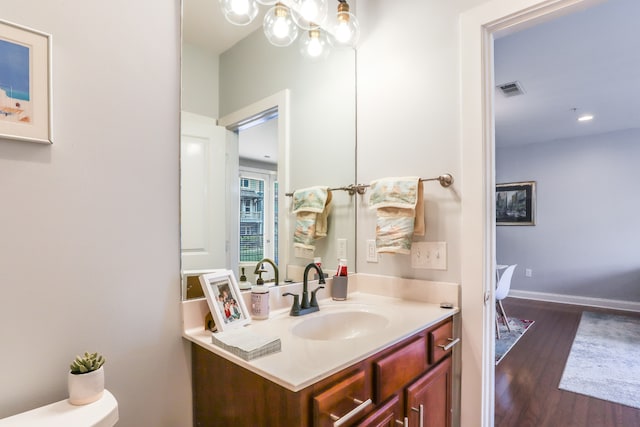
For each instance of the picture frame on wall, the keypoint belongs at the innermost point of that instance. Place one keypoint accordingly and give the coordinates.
(225, 300)
(516, 203)
(25, 84)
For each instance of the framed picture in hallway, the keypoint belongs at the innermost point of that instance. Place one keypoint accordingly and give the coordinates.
(25, 84)
(516, 203)
(225, 300)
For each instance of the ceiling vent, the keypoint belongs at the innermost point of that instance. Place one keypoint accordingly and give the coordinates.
(511, 89)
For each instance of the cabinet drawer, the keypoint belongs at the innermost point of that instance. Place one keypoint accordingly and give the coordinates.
(347, 399)
(394, 371)
(441, 341)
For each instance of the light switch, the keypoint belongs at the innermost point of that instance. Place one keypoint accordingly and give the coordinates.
(429, 255)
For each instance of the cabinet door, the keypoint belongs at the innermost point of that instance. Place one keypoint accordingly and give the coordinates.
(385, 416)
(429, 397)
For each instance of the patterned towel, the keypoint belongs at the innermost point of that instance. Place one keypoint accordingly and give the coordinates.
(311, 206)
(400, 209)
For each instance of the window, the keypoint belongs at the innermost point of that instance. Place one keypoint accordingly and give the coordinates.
(258, 215)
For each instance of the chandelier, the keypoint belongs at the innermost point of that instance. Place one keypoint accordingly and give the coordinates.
(306, 20)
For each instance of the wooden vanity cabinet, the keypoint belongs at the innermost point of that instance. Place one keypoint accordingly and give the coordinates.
(349, 397)
(429, 397)
(385, 415)
(421, 372)
(386, 389)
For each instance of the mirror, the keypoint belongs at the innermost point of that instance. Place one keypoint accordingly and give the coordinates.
(314, 108)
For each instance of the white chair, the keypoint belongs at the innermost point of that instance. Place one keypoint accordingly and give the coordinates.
(502, 290)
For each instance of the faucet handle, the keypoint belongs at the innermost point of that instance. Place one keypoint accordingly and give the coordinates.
(314, 300)
(295, 308)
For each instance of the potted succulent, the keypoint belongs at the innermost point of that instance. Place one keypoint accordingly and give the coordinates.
(86, 379)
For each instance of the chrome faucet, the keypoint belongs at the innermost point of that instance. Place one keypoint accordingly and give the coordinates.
(260, 269)
(306, 307)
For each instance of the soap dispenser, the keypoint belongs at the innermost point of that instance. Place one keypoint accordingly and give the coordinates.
(244, 284)
(260, 298)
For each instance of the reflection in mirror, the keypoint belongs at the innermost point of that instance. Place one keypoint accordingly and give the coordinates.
(257, 166)
(224, 187)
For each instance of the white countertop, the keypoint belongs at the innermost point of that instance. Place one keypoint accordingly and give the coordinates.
(303, 362)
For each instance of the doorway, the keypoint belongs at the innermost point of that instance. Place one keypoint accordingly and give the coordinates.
(563, 65)
(272, 111)
(479, 27)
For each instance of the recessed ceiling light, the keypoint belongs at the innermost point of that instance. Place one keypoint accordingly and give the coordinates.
(585, 118)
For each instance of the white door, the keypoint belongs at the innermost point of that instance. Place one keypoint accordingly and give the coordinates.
(204, 192)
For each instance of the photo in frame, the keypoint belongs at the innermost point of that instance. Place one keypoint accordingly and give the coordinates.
(225, 300)
(25, 84)
(516, 203)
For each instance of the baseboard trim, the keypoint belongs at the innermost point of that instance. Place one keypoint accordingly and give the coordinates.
(577, 300)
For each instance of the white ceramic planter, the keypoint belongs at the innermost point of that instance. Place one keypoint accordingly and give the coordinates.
(86, 388)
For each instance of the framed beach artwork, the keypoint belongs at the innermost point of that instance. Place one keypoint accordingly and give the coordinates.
(516, 203)
(225, 300)
(25, 84)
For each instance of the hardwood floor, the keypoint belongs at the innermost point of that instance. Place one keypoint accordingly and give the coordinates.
(527, 393)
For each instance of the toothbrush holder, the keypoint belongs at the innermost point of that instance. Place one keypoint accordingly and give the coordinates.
(339, 288)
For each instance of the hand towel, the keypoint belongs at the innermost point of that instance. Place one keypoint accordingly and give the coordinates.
(311, 206)
(400, 212)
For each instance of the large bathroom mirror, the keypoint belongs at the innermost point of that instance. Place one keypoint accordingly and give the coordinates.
(259, 122)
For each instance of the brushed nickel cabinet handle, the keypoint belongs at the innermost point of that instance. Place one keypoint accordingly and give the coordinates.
(403, 423)
(420, 411)
(338, 421)
(451, 344)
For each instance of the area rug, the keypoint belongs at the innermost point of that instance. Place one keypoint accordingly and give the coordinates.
(509, 339)
(604, 360)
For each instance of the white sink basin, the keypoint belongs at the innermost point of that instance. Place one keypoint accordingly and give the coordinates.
(340, 325)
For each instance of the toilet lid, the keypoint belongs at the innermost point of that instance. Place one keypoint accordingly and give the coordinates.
(102, 413)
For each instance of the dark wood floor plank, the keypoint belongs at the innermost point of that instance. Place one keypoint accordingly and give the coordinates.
(527, 379)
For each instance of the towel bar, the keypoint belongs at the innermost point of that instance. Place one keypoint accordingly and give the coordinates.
(445, 181)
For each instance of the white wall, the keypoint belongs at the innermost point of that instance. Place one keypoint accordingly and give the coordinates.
(584, 242)
(89, 253)
(409, 104)
(199, 81)
(408, 118)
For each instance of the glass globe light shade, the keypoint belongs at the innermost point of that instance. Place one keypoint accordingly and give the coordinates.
(309, 14)
(279, 27)
(239, 12)
(267, 2)
(346, 30)
(314, 45)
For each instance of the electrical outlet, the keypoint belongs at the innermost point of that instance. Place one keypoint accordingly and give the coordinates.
(528, 272)
(372, 251)
(342, 248)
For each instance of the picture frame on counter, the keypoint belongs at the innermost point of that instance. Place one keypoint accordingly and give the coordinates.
(516, 203)
(25, 84)
(225, 300)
